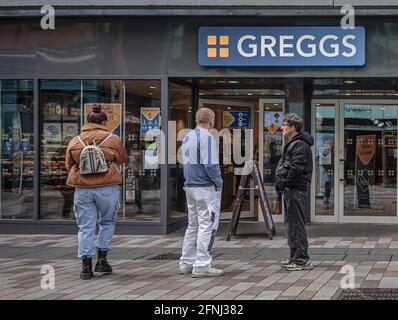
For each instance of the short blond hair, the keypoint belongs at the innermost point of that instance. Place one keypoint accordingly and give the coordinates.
(204, 116)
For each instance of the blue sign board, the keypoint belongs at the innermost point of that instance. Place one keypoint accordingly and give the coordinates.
(282, 46)
(236, 119)
(150, 120)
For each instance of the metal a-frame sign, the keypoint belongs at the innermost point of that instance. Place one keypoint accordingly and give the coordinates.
(253, 173)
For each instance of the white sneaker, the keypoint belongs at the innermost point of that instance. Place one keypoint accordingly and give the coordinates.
(212, 272)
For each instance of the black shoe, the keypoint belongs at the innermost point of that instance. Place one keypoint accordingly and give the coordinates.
(102, 264)
(87, 269)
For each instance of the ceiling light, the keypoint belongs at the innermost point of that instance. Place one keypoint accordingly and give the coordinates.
(152, 87)
(250, 94)
(349, 81)
(233, 81)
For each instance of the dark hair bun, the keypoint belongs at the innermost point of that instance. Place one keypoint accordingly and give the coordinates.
(96, 108)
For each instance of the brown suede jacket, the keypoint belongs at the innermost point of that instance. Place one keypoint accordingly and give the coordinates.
(114, 151)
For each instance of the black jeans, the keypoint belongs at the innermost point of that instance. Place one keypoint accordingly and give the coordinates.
(295, 225)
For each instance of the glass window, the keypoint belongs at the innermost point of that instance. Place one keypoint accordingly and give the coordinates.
(370, 159)
(141, 190)
(60, 107)
(273, 148)
(181, 117)
(16, 183)
(325, 133)
(64, 109)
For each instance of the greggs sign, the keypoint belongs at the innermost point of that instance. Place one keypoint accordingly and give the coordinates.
(281, 46)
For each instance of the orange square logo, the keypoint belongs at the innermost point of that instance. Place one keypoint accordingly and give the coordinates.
(224, 40)
(211, 40)
(211, 52)
(224, 52)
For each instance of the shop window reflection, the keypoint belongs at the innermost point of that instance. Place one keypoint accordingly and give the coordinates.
(273, 145)
(60, 106)
(180, 111)
(16, 184)
(64, 108)
(325, 131)
(141, 190)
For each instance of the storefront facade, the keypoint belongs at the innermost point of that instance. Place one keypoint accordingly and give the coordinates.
(145, 70)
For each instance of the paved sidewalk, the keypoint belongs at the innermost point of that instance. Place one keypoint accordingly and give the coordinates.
(250, 260)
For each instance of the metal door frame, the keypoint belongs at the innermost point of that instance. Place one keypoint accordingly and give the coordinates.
(338, 216)
(329, 218)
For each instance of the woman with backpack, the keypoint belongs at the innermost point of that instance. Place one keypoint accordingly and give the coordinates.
(92, 160)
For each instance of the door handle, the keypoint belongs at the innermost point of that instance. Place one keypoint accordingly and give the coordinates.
(342, 162)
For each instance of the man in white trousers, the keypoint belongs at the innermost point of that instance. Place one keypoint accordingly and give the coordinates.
(203, 186)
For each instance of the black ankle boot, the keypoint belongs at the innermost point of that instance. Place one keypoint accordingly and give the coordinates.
(102, 264)
(87, 269)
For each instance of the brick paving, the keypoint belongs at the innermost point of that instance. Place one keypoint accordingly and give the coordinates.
(251, 263)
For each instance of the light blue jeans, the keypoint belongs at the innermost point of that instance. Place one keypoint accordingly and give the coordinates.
(87, 203)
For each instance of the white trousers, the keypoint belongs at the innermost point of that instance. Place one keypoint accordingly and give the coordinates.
(203, 219)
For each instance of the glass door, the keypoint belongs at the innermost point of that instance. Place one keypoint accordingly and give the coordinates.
(368, 161)
(324, 202)
(271, 148)
(232, 115)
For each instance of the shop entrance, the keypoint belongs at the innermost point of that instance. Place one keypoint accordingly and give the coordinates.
(232, 115)
(265, 117)
(355, 161)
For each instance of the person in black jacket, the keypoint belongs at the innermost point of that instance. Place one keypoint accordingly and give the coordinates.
(292, 179)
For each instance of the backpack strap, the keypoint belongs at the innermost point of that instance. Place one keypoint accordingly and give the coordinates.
(81, 141)
(110, 135)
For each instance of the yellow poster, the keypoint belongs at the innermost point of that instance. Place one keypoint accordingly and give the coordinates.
(228, 119)
(113, 112)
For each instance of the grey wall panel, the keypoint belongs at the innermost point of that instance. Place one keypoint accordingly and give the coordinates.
(381, 61)
(196, 3)
(84, 48)
(367, 3)
(17, 49)
(163, 46)
(156, 3)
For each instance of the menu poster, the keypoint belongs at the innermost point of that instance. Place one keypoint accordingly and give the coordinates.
(52, 132)
(150, 120)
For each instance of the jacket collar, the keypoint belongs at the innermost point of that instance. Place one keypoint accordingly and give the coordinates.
(93, 126)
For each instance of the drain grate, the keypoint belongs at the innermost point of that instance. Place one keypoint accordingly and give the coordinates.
(369, 294)
(166, 256)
